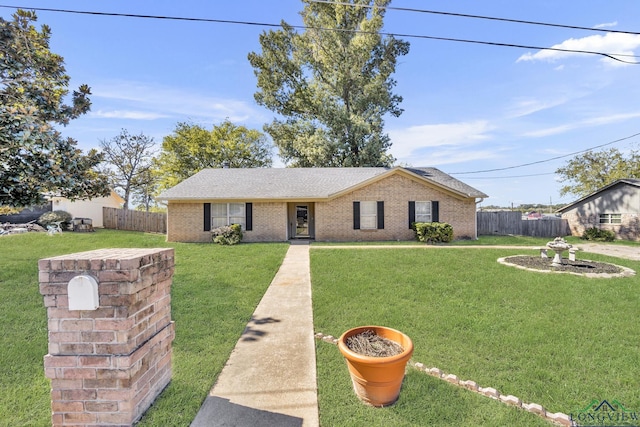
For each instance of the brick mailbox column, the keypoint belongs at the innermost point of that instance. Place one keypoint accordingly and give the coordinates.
(110, 348)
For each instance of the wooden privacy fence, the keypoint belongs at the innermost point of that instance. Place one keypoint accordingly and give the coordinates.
(149, 222)
(507, 222)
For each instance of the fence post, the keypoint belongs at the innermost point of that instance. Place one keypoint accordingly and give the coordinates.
(110, 333)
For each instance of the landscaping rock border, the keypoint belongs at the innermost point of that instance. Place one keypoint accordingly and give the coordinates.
(558, 418)
(511, 261)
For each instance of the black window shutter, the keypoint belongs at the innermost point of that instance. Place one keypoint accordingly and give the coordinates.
(380, 215)
(207, 217)
(412, 214)
(435, 211)
(356, 215)
(248, 212)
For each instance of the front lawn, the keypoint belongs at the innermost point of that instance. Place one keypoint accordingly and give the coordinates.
(557, 340)
(215, 291)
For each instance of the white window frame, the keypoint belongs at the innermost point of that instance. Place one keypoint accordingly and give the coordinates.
(423, 216)
(368, 215)
(234, 213)
(610, 218)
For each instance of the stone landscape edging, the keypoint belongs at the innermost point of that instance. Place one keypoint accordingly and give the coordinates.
(626, 272)
(558, 418)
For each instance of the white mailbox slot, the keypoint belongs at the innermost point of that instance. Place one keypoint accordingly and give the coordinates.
(83, 293)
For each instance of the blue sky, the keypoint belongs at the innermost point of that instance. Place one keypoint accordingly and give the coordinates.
(467, 107)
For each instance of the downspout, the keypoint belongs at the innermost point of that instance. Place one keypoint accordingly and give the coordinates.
(475, 217)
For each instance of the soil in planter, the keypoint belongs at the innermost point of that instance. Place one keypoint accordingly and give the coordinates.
(369, 344)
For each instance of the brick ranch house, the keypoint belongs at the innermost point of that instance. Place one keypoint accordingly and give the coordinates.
(325, 204)
(614, 207)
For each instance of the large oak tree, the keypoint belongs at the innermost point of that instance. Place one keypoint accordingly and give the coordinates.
(592, 170)
(331, 85)
(192, 148)
(35, 159)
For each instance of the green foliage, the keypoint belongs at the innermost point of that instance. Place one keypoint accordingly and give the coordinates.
(35, 158)
(590, 171)
(128, 165)
(192, 148)
(204, 338)
(332, 88)
(433, 232)
(62, 217)
(480, 320)
(227, 235)
(598, 235)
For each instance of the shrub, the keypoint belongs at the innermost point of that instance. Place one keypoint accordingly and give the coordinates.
(49, 218)
(227, 235)
(598, 235)
(433, 232)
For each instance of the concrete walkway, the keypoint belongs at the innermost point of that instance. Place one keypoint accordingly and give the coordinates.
(270, 377)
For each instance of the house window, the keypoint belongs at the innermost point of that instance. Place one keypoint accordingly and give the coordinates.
(423, 212)
(610, 218)
(368, 215)
(227, 213)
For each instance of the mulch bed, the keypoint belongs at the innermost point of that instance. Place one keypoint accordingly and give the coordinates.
(369, 344)
(577, 266)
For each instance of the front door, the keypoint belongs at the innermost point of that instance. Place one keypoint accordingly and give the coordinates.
(300, 220)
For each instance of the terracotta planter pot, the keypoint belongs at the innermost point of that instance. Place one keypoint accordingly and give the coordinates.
(377, 380)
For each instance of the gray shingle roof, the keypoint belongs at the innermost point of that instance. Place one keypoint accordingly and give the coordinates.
(631, 181)
(293, 183)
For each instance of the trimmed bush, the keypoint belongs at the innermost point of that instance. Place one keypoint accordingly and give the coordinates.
(433, 232)
(50, 218)
(598, 235)
(227, 235)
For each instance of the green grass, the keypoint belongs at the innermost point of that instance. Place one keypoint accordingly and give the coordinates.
(215, 291)
(557, 340)
(482, 240)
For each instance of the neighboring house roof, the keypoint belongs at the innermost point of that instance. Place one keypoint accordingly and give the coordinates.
(298, 183)
(630, 181)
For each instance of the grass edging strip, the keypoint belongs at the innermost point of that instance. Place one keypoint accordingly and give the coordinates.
(558, 418)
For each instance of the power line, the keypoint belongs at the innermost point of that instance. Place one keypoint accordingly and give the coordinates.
(612, 56)
(509, 177)
(464, 15)
(547, 160)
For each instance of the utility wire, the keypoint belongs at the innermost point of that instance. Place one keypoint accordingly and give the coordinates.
(225, 21)
(547, 160)
(464, 15)
(509, 177)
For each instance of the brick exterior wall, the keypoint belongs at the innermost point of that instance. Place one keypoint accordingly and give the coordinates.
(628, 229)
(269, 223)
(334, 218)
(108, 365)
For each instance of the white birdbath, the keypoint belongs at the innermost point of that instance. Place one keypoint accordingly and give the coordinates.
(558, 245)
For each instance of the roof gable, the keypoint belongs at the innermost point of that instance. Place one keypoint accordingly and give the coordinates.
(628, 181)
(297, 183)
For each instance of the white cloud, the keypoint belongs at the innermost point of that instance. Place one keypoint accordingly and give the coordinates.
(157, 101)
(524, 107)
(611, 43)
(440, 156)
(431, 145)
(607, 25)
(126, 114)
(589, 122)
